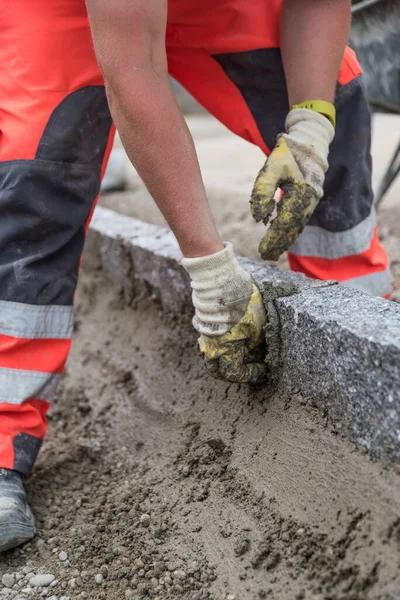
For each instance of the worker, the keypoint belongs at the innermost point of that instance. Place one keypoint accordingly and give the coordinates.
(276, 72)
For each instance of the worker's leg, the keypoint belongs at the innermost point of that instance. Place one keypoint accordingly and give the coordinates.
(341, 240)
(243, 85)
(55, 134)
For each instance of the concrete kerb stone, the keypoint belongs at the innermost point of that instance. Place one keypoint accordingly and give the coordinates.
(142, 258)
(338, 347)
(342, 348)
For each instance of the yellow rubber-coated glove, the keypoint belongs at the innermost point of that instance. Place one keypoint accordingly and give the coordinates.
(297, 166)
(231, 356)
(229, 315)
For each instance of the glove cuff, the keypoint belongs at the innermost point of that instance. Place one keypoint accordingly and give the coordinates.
(310, 129)
(217, 260)
(221, 267)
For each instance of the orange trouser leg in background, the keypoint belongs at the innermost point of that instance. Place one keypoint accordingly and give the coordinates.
(55, 135)
(227, 56)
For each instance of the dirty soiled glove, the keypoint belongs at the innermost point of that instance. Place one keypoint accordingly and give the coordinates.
(230, 316)
(297, 165)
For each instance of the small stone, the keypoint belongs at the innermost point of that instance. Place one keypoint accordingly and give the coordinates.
(179, 574)
(41, 580)
(19, 576)
(174, 564)
(242, 546)
(139, 563)
(99, 578)
(63, 556)
(8, 580)
(128, 594)
(145, 520)
(104, 570)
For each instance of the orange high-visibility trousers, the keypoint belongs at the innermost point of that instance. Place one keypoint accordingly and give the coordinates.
(55, 137)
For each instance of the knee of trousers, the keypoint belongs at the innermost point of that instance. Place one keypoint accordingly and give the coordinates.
(341, 241)
(347, 204)
(367, 271)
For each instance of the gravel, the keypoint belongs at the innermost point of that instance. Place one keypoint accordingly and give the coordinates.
(8, 580)
(42, 580)
(145, 520)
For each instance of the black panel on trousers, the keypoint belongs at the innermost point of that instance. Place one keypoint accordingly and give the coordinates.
(43, 208)
(78, 129)
(260, 78)
(26, 449)
(348, 197)
(45, 203)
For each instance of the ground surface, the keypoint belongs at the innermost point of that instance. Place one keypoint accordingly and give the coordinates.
(157, 482)
(229, 166)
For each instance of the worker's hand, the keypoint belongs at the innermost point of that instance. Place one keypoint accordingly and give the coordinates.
(230, 316)
(297, 166)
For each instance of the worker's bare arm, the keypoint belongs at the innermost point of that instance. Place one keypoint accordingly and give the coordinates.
(129, 38)
(314, 34)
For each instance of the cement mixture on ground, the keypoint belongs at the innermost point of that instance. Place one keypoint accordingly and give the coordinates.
(156, 481)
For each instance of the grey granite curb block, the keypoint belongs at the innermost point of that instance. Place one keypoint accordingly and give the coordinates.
(338, 347)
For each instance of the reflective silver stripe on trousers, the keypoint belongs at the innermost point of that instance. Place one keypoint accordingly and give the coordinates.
(318, 242)
(35, 322)
(17, 385)
(376, 284)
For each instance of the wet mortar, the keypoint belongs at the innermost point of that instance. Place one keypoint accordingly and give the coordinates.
(158, 482)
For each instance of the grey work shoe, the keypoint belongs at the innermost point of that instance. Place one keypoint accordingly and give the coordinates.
(17, 524)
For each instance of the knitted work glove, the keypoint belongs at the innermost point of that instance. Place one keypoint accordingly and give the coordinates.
(229, 315)
(297, 165)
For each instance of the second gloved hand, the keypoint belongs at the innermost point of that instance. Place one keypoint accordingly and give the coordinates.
(297, 165)
(230, 316)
